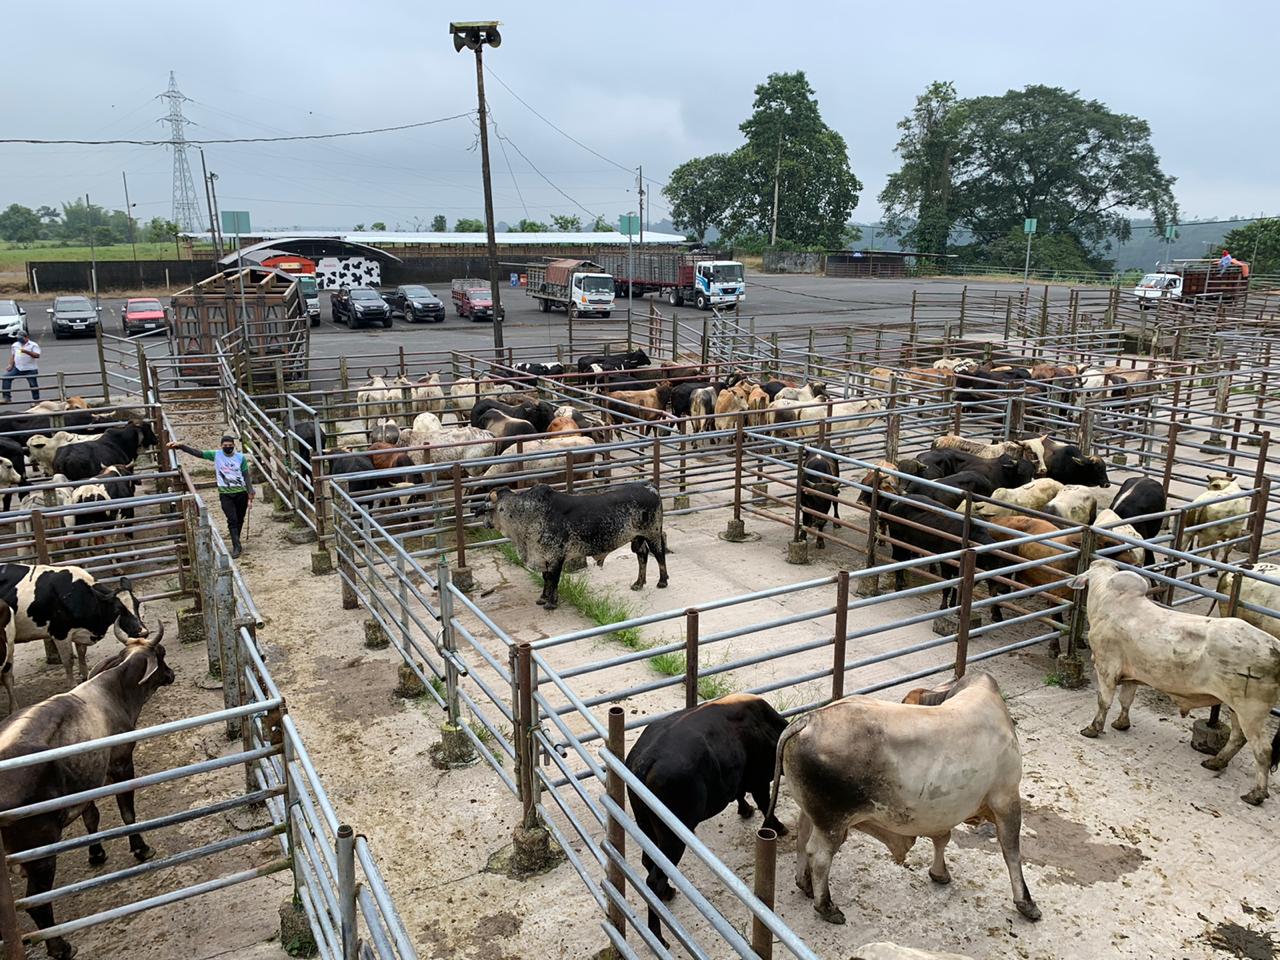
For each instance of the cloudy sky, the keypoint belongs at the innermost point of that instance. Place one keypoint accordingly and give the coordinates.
(650, 84)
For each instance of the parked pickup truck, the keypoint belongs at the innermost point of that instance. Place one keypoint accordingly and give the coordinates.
(579, 287)
(415, 302)
(473, 298)
(360, 305)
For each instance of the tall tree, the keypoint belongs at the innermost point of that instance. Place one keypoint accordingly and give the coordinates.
(917, 197)
(19, 224)
(789, 145)
(378, 225)
(439, 224)
(160, 230)
(530, 226)
(466, 225)
(701, 191)
(602, 226)
(1071, 163)
(1257, 243)
(566, 222)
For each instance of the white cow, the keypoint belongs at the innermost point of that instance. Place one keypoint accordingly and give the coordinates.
(1030, 496)
(546, 454)
(376, 400)
(1198, 661)
(898, 771)
(41, 449)
(987, 451)
(811, 416)
(1079, 504)
(1253, 592)
(1228, 519)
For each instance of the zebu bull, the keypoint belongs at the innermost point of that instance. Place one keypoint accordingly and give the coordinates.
(66, 605)
(1198, 661)
(549, 529)
(106, 704)
(902, 771)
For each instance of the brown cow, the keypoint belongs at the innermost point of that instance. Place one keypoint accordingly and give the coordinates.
(730, 402)
(648, 405)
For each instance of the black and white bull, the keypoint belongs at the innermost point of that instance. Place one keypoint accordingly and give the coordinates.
(1002, 471)
(108, 703)
(821, 484)
(632, 360)
(549, 529)
(698, 761)
(898, 771)
(1138, 498)
(66, 605)
(1066, 462)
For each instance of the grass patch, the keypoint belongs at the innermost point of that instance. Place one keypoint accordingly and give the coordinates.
(1053, 680)
(14, 256)
(672, 664)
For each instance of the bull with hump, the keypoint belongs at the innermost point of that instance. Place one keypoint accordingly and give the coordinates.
(106, 704)
(697, 761)
(67, 605)
(898, 771)
(549, 529)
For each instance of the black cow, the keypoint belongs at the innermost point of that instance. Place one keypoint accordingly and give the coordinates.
(507, 430)
(613, 361)
(697, 762)
(540, 369)
(108, 704)
(539, 413)
(308, 432)
(822, 476)
(1138, 497)
(971, 481)
(773, 388)
(72, 421)
(942, 534)
(548, 529)
(1002, 471)
(1066, 463)
(682, 395)
(66, 605)
(80, 461)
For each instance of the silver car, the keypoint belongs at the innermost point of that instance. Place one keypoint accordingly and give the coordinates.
(73, 315)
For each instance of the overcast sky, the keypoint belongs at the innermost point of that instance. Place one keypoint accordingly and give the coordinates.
(650, 84)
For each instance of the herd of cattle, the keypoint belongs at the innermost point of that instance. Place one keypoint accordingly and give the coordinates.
(895, 771)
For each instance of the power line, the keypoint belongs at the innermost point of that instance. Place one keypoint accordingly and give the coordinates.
(507, 159)
(567, 136)
(516, 147)
(309, 136)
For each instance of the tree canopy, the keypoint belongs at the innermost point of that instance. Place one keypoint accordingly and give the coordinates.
(19, 224)
(988, 163)
(530, 226)
(1257, 243)
(566, 222)
(466, 225)
(439, 224)
(787, 144)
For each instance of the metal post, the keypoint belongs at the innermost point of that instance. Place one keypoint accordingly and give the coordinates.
(1262, 500)
(459, 521)
(895, 422)
(14, 948)
(841, 634)
(968, 560)
(798, 523)
(225, 616)
(1170, 445)
(873, 519)
(102, 364)
(737, 470)
(448, 642)
(764, 888)
(524, 731)
(1076, 628)
(345, 846)
(617, 835)
(691, 658)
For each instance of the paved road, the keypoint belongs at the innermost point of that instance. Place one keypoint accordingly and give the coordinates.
(773, 300)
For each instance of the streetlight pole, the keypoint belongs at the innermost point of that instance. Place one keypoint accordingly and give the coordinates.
(133, 230)
(473, 36)
(208, 199)
(93, 254)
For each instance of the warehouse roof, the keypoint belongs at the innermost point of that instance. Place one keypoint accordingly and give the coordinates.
(477, 239)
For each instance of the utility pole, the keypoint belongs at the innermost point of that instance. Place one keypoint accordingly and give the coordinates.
(93, 254)
(777, 174)
(133, 230)
(640, 187)
(473, 36)
(217, 223)
(208, 200)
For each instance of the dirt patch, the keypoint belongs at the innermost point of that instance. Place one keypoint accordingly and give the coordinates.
(1075, 854)
(1245, 942)
(357, 687)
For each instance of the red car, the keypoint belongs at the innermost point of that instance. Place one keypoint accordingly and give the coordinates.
(144, 315)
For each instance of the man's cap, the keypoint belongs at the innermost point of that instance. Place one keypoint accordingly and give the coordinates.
(226, 437)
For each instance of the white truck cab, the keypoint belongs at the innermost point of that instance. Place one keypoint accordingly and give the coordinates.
(1158, 286)
(720, 281)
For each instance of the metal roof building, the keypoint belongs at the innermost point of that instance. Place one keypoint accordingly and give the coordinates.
(392, 238)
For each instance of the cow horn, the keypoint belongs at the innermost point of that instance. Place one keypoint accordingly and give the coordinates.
(1079, 460)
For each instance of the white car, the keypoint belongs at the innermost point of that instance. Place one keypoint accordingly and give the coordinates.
(1157, 286)
(13, 319)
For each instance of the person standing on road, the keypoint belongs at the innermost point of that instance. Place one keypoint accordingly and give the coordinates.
(24, 361)
(235, 489)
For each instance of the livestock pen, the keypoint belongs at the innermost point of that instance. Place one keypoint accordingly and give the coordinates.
(253, 805)
(399, 552)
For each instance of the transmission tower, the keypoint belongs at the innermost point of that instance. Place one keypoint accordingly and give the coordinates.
(186, 210)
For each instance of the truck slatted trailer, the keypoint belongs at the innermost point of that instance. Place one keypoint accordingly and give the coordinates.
(697, 278)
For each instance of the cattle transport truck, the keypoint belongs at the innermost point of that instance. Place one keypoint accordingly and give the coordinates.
(1194, 281)
(681, 277)
(579, 287)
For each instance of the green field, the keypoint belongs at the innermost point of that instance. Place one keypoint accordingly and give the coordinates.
(13, 256)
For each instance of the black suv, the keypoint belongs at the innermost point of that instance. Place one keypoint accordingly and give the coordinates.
(360, 305)
(415, 302)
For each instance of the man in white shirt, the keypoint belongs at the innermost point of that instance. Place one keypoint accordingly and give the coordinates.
(24, 360)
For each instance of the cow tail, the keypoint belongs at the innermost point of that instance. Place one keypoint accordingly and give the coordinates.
(1275, 749)
(787, 734)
